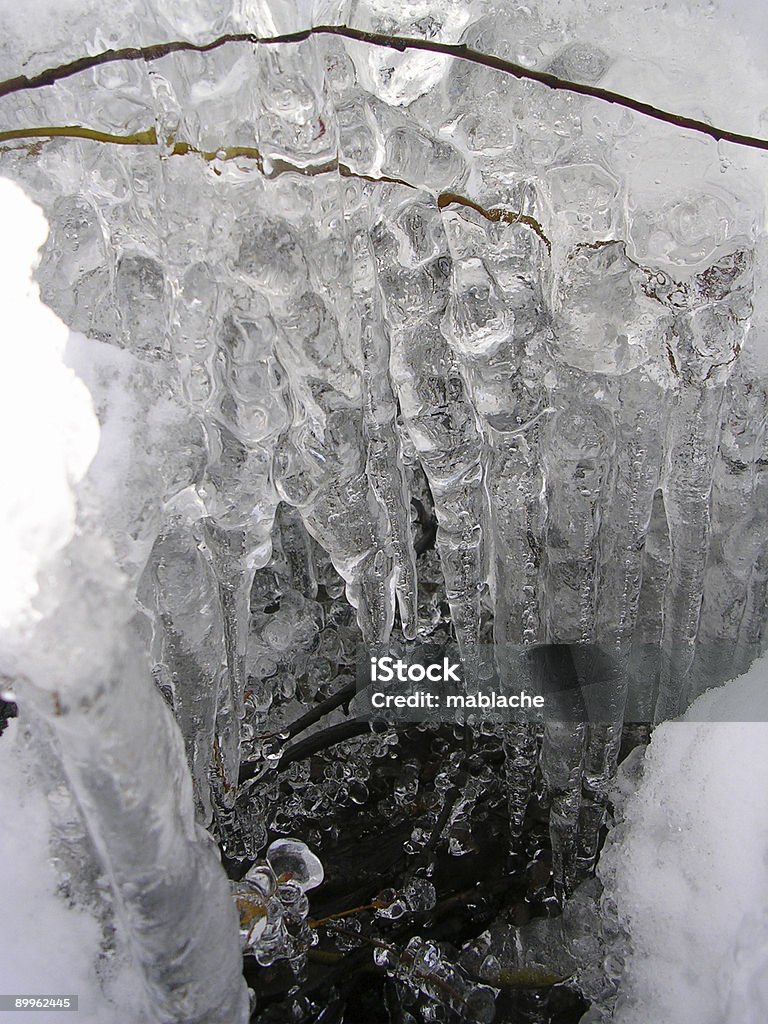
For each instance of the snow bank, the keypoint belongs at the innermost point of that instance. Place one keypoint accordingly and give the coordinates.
(688, 866)
(48, 437)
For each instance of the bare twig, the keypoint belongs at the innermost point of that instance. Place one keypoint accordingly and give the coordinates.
(313, 744)
(375, 905)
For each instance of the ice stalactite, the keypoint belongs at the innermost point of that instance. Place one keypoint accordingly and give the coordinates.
(179, 591)
(435, 408)
(503, 355)
(607, 326)
(706, 337)
(172, 898)
(735, 579)
(322, 458)
(385, 465)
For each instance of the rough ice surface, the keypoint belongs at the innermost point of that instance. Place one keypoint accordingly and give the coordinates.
(46, 921)
(384, 346)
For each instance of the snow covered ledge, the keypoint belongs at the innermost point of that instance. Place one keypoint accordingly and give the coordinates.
(65, 642)
(687, 867)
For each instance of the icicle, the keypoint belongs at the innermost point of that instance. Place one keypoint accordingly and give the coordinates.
(500, 331)
(735, 578)
(234, 563)
(439, 419)
(623, 527)
(385, 465)
(189, 646)
(124, 759)
(707, 336)
(297, 551)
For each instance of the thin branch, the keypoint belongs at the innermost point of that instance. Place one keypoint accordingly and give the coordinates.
(342, 696)
(495, 214)
(320, 741)
(51, 76)
(313, 744)
(403, 956)
(76, 131)
(367, 939)
(375, 905)
(173, 147)
(148, 137)
(399, 43)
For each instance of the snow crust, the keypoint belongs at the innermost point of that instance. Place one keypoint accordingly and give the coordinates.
(687, 866)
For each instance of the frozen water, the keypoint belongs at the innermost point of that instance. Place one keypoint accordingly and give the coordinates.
(130, 782)
(293, 858)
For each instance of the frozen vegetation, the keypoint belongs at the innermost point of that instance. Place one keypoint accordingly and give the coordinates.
(338, 349)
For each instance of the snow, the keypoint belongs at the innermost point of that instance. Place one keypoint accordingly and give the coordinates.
(147, 445)
(50, 435)
(47, 424)
(687, 866)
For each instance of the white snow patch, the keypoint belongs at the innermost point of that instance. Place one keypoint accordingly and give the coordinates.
(48, 429)
(688, 866)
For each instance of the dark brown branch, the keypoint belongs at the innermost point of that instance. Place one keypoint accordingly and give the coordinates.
(128, 53)
(320, 741)
(495, 214)
(400, 43)
(342, 696)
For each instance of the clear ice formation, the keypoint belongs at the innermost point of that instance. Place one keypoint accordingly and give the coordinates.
(344, 291)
